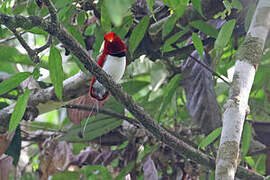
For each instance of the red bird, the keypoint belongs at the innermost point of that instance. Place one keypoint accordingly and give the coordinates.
(113, 62)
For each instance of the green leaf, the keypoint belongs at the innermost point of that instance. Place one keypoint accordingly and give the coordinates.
(105, 19)
(117, 9)
(246, 138)
(12, 82)
(210, 138)
(133, 86)
(15, 146)
(56, 71)
(168, 26)
(81, 18)
(237, 5)
(198, 44)
(128, 168)
(150, 4)
(197, 5)
(18, 111)
(62, 3)
(178, 6)
(11, 54)
(76, 34)
(138, 34)
(224, 35)
(93, 129)
(36, 30)
(205, 28)
(97, 172)
(67, 175)
(122, 30)
(169, 92)
(90, 30)
(174, 38)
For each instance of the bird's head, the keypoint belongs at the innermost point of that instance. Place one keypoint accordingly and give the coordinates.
(113, 44)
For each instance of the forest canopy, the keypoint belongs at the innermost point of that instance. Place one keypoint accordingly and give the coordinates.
(193, 102)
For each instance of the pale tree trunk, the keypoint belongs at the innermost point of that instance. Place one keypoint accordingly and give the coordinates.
(235, 108)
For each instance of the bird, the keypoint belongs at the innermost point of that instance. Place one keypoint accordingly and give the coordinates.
(113, 61)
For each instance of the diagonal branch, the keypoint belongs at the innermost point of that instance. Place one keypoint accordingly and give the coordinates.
(138, 112)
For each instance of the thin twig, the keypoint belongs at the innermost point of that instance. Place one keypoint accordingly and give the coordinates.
(47, 45)
(205, 66)
(209, 69)
(8, 96)
(32, 54)
(52, 11)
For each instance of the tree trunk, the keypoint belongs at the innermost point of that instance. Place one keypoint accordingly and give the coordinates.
(235, 108)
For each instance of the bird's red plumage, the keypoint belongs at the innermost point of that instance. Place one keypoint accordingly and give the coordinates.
(112, 45)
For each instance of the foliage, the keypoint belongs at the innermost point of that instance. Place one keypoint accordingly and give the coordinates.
(180, 94)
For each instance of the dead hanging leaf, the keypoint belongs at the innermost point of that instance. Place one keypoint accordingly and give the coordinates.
(91, 156)
(149, 169)
(77, 115)
(200, 95)
(5, 141)
(55, 157)
(6, 167)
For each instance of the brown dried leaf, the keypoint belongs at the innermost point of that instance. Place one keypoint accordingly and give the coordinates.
(77, 115)
(4, 141)
(55, 157)
(200, 94)
(6, 167)
(90, 156)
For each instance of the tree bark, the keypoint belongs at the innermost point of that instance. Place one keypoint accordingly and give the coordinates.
(235, 108)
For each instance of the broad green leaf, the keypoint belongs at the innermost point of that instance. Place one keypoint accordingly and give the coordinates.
(205, 28)
(18, 111)
(97, 172)
(81, 18)
(93, 129)
(210, 138)
(128, 168)
(36, 30)
(197, 5)
(67, 175)
(174, 38)
(56, 71)
(169, 92)
(168, 26)
(132, 87)
(178, 6)
(237, 5)
(105, 19)
(62, 3)
(11, 54)
(90, 30)
(224, 35)
(12, 82)
(198, 44)
(150, 4)
(117, 9)
(138, 34)
(250, 161)
(14, 148)
(99, 34)
(122, 30)
(76, 34)
(246, 138)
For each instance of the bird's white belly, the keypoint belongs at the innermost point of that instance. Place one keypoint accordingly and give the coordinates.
(115, 67)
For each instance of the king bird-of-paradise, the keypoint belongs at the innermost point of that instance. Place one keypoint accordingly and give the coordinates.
(113, 62)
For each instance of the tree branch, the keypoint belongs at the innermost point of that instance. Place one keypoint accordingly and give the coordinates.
(138, 112)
